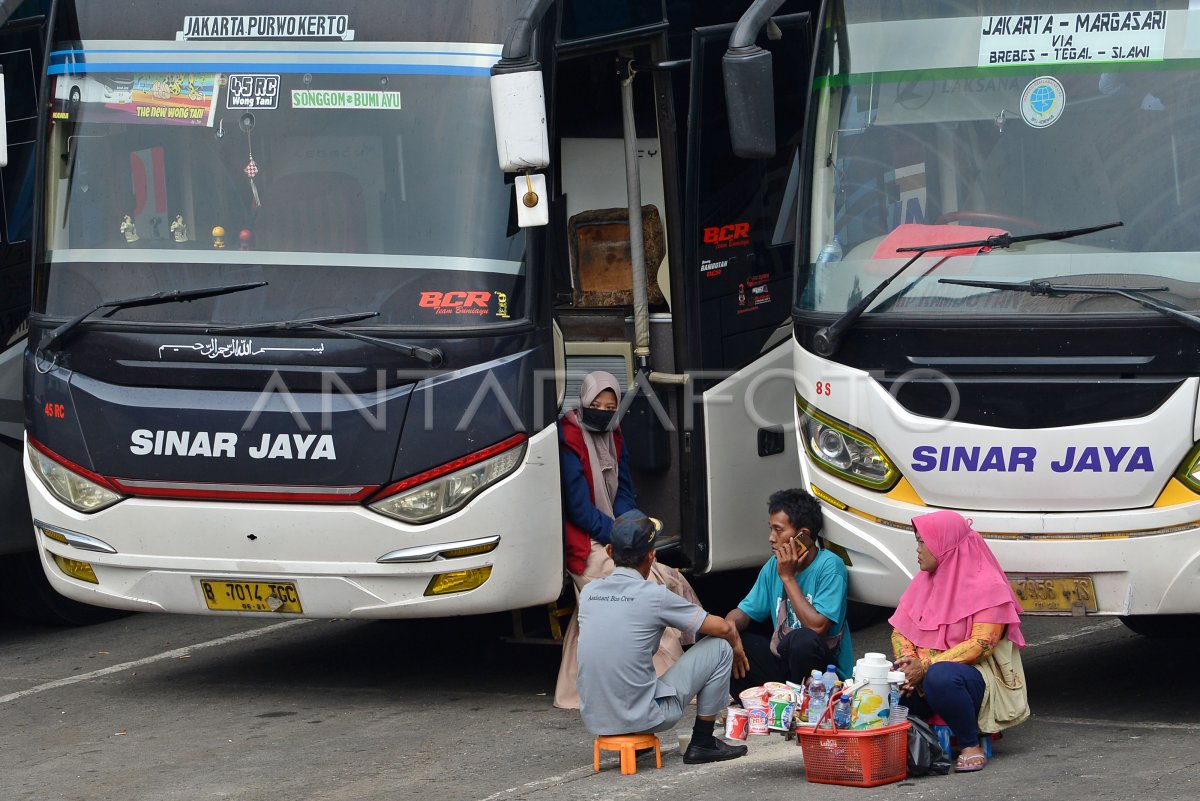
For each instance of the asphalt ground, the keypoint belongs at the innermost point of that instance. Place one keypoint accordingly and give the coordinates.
(167, 707)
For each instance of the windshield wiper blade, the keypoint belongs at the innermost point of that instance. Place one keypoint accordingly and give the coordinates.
(290, 325)
(1008, 240)
(827, 339)
(430, 356)
(1003, 240)
(157, 299)
(1050, 289)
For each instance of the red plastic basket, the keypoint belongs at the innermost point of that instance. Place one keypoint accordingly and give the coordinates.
(862, 758)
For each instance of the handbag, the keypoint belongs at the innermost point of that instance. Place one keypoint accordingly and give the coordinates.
(925, 754)
(783, 613)
(1005, 697)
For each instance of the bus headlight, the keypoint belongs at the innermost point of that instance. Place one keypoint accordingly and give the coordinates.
(77, 487)
(442, 490)
(845, 451)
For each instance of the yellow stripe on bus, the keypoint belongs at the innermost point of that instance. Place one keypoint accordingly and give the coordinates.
(1175, 493)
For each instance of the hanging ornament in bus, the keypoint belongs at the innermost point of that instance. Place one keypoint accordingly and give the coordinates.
(251, 171)
(129, 229)
(246, 123)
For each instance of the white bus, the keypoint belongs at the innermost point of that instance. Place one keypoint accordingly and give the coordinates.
(1004, 321)
(295, 349)
(89, 89)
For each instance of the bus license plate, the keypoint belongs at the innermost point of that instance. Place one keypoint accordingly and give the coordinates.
(251, 596)
(1054, 593)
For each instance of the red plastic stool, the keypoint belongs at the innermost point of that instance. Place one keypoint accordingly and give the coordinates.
(946, 737)
(628, 745)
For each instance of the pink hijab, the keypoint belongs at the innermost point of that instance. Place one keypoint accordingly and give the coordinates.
(968, 586)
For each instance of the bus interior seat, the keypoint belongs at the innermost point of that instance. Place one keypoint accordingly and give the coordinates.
(601, 268)
(320, 212)
(582, 358)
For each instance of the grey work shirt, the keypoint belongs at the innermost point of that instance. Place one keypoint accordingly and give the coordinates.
(621, 620)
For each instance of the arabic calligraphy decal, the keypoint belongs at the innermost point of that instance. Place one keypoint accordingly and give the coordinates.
(233, 349)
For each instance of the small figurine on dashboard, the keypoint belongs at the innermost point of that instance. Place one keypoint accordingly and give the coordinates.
(246, 237)
(218, 234)
(179, 228)
(129, 229)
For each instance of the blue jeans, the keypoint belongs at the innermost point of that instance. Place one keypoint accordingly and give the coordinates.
(954, 691)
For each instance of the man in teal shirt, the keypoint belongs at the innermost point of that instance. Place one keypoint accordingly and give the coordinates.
(802, 589)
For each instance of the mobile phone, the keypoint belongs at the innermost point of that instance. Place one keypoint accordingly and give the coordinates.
(803, 549)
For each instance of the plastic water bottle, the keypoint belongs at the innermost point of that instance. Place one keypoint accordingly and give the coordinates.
(818, 700)
(832, 252)
(895, 681)
(841, 712)
(829, 677)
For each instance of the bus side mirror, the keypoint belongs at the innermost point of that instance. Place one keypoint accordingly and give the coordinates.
(750, 101)
(522, 139)
(3, 125)
(519, 114)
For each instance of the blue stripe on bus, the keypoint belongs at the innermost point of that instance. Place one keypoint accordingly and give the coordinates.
(60, 55)
(374, 69)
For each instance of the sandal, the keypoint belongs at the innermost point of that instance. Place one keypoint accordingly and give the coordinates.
(968, 763)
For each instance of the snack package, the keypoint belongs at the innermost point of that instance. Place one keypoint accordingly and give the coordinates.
(737, 723)
(754, 697)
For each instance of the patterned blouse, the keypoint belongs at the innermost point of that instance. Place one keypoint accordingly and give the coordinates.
(979, 645)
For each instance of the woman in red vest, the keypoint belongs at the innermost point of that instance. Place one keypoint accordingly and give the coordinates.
(597, 487)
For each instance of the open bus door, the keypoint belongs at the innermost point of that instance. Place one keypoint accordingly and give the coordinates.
(739, 240)
(725, 244)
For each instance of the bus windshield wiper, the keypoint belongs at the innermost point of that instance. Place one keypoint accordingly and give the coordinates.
(1051, 289)
(157, 299)
(430, 356)
(827, 339)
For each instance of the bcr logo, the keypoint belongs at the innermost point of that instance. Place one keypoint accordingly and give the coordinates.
(455, 300)
(726, 233)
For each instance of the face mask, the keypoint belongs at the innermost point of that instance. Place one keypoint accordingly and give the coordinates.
(597, 419)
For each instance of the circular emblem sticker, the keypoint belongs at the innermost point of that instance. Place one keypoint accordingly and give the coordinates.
(1043, 102)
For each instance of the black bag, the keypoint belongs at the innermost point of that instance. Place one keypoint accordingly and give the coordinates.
(925, 754)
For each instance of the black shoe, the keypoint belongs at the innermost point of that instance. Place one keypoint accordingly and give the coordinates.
(718, 752)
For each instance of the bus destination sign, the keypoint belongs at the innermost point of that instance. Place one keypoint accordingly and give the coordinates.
(1102, 36)
(266, 26)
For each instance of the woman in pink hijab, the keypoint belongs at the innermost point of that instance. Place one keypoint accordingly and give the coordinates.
(597, 488)
(948, 626)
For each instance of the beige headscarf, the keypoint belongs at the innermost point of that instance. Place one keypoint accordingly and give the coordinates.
(601, 445)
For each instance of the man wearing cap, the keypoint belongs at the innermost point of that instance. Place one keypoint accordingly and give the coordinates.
(621, 619)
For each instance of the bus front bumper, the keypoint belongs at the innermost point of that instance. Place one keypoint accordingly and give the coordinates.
(1140, 561)
(168, 555)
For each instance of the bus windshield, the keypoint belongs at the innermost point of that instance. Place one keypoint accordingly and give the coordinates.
(354, 188)
(941, 122)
